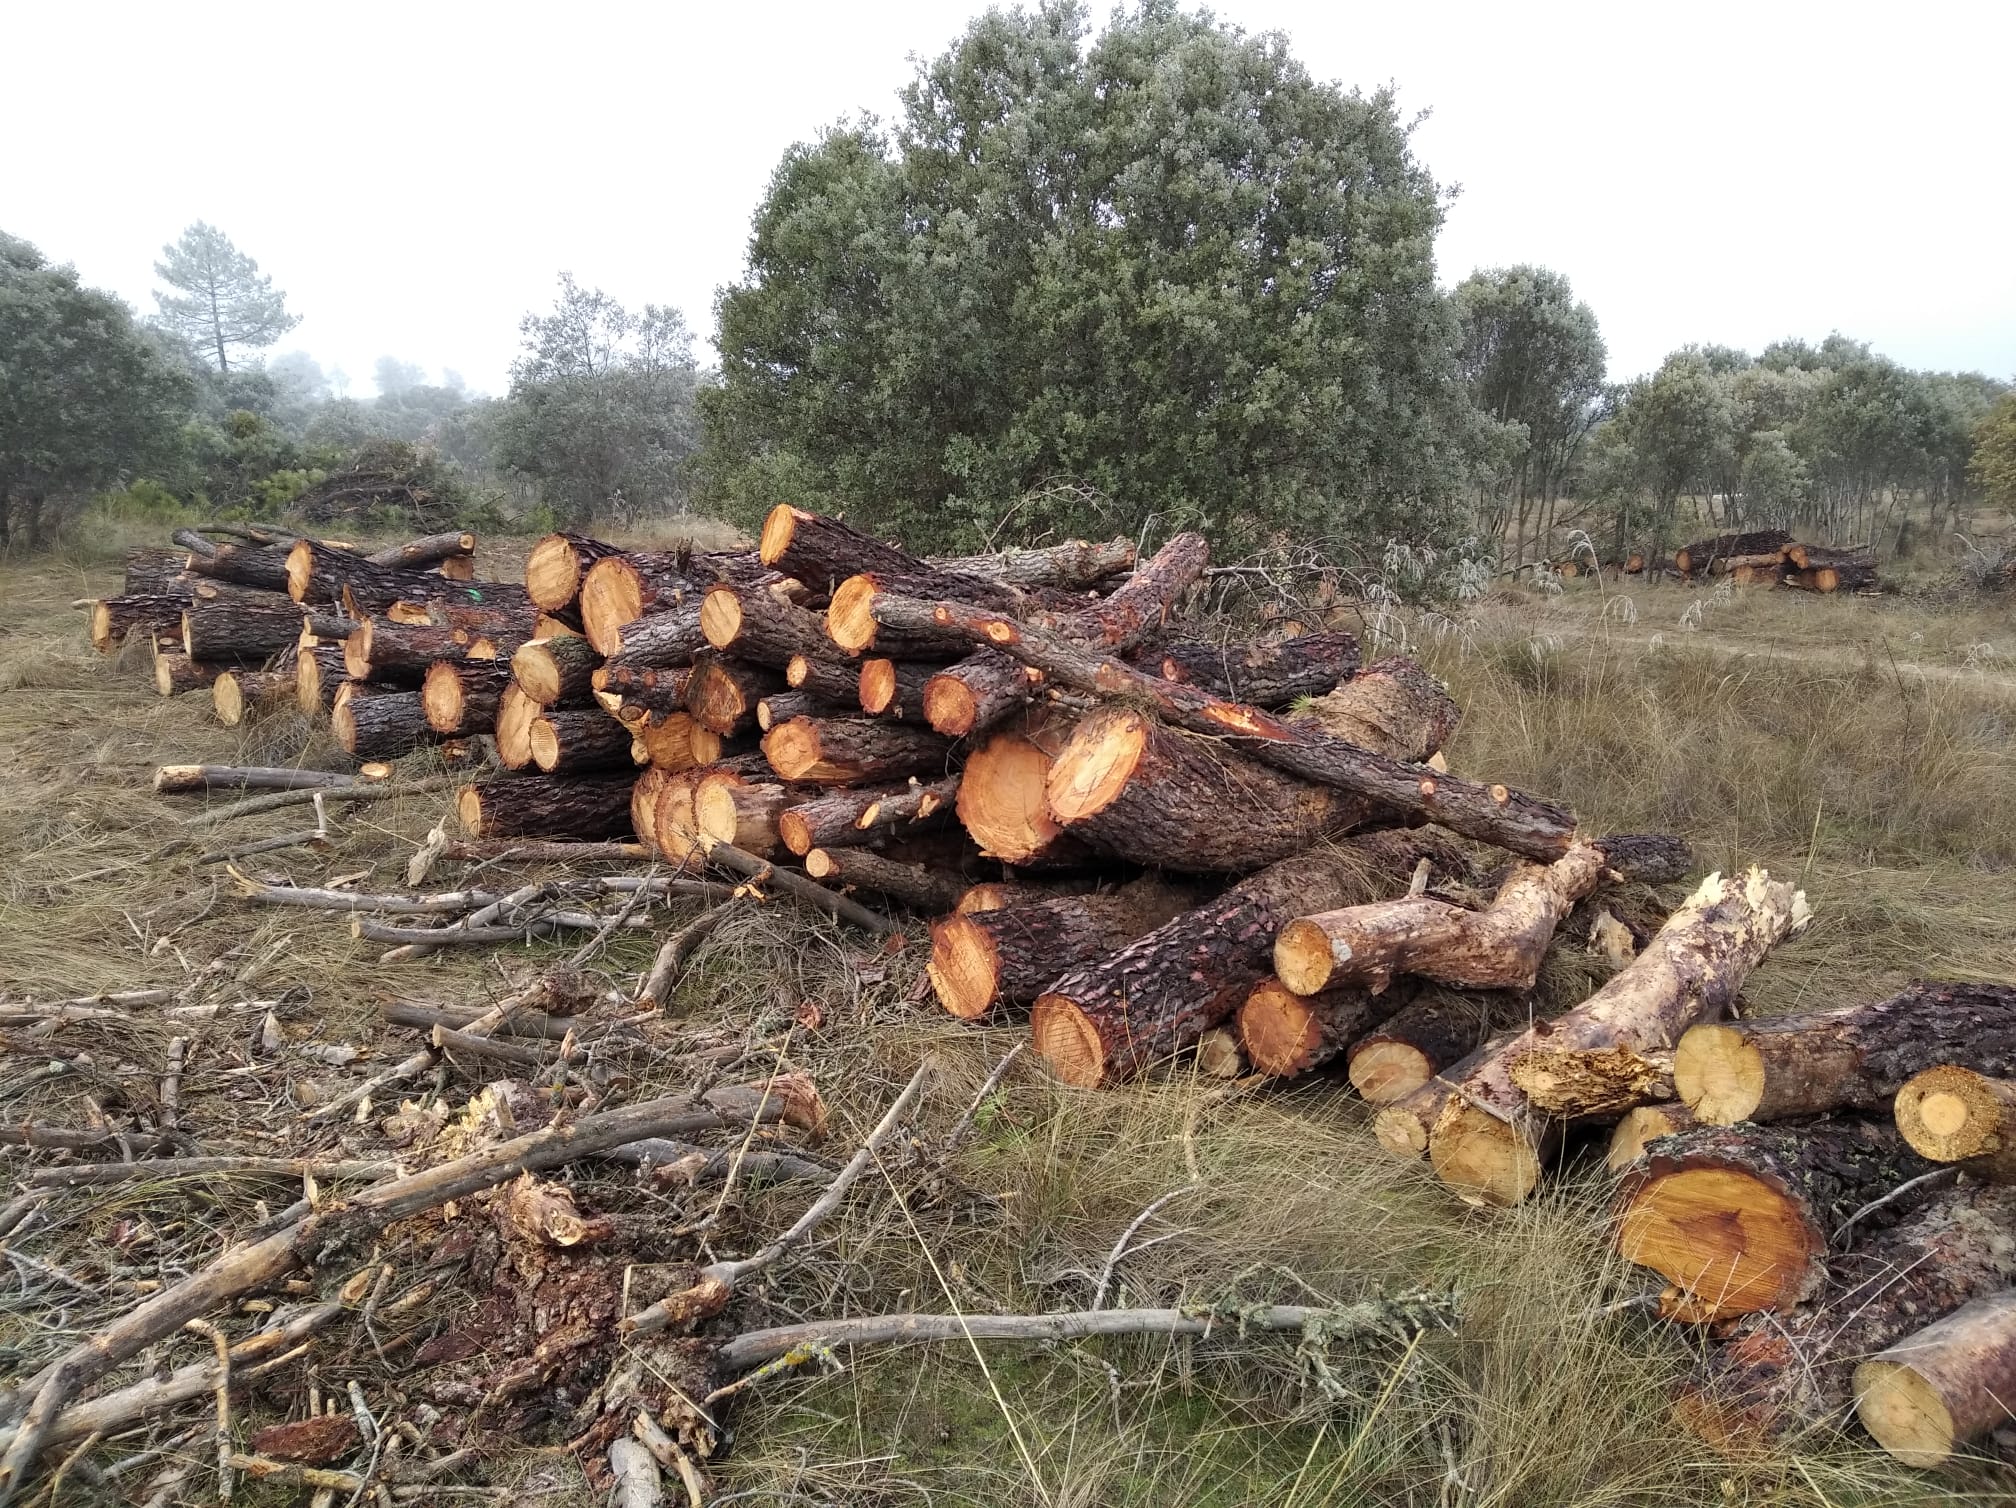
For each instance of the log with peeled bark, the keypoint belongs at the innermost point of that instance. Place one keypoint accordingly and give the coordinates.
(556, 566)
(1591, 1083)
(238, 694)
(1855, 1057)
(1944, 1386)
(1392, 707)
(573, 741)
(1129, 786)
(981, 959)
(723, 692)
(557, 671)
(845, 818)
(155, 573)
(1953, 1114)
(1780, 1374)
(319, 674)
(175, 672)
(461, 699)
(262, 567)
(588, 807)
(240, 628)
(1638, 1128)
(620, 590)
(1488, 1145)
(1112, 1017)
(894, 689)
(1699, 558)
(114, 619)
(1075, 565)
(1498, 948)
(782, 706)
(822, 551)
(759, 624)
(729, 808)
(916, 885)
(186, 779)
(972, 695)
(377, 724)
(432, 550)
(398, 654)
(1429, 1034)
(1264, 673)
(853, 751)
(835, 681)
(516, 712)
(1512, 820)
(1739, 1218)
(1286, 1034)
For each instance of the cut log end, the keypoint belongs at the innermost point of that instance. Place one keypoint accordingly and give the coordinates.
(1719, 1075)
(964, 969)
(1092, 770)
(1483, 1160)
(878, 685)
(1401, 1132)
(553, 573)
(469, 810)
(1731, 1241)
(1951, 1114)
(850, 617)
(1303, 959)
(950, 706)
(779, 524)
(227, 697)
(1904, 1413)
(1640, 1127)
(1001, 801)
(1383, 1072)
(1068, 1041)
(721, 616)
(1282, 1032)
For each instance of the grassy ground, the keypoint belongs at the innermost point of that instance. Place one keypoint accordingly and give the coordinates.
(1891, 794)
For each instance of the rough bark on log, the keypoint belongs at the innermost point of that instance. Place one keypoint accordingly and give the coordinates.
(573, 741)
(1945, 1386)
(1488, 1146)
(436, 550)
(399, 653)
(965, 699)
(262, 567)
(1498, 948)
(175, 673)
(1640, 1127)
(669, 637)
(757, 624)
(1953, 1114)
(642, 695)
(461, 698)
(1778, 1374)
(1495, 814)
(490, 608)
(556, 566)
(1286, 1034)
(1001, 895)
(841, 818)
(237, 694)
(1699, 557)
(155, 573)
(851, 622)
(1855, 1057)
(782, 706)
(723, 692)
(588, 807)
(1142, 606)
(853, 751)
(1109, 1019)
(981, 959)
(372, 724)
(1002, 796)
(1129, 786)
(115, 619)
(557, 671)
(833, 681)
(318, 675)
(916, 885)
(822, 551)
(1074, 565)
(619, 590)
(1264, 673)
(1392, 707)
(1429, 1034)
(1646, 858)
(241, 628)
(1738, 1218)
(727, 808)
(894, 689)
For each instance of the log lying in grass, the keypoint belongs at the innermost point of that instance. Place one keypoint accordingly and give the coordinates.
(1286, 1034)
(185, 779)
(573, 741)
(1264, 673)
(976, 693)
(1131, 787)
(399, 653)
(556, 566)
(1855, 1057)
(853, 751)
(916, 885)
(1739, 1218)
(240, 628)
(461, 698)
(981, 959)
(1110, 1018)
(155, 573)
(1403, 1126)
(175, 673)
(1003, 801)
(1953, 1114)
(588, 807)
(556, 671)
(237, 694)
(377, 724)
(758, 624)
(1782, 1373)
(723, 692)
(1945, 1386)
(1430, 1033)
(1488, 1145)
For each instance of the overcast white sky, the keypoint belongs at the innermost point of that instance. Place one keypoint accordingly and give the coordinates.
(415, 175)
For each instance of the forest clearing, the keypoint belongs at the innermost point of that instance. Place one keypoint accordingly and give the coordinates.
(1313, 1319)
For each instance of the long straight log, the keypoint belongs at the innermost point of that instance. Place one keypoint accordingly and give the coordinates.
(175, 672)
(155, 572)
(916, 885)
(319, 674)
(262, 567)
(1264, 673)
(830, 680)
(1947, 1385)
(436, 550)
(822, 551)
(186, 779)
(379, 724)
(782, 706)
(983, 959)
(590, 807)
(670, 636)
(1074, 565)
(240, 628)
(853, 751)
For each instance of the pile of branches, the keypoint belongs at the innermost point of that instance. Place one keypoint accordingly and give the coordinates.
(388, 483)
(1768, 557)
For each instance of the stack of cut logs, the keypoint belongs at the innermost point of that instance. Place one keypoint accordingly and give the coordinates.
(1163, 846)
(1770, 557)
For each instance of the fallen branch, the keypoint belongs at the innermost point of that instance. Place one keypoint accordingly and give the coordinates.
(657, 986)
(76, 1175)
(763, 872)
(252, 806)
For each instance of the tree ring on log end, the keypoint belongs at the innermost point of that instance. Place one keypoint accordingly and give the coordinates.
(850, 621)
(1400, 1132)
(877, 686)
(1731, 1240)
(1904, 1413)
(1483, 1159)
(1383, 1072)
(1001, 800)
(1719, 1074)
(779, 524)
(1281, 1033)
(720, 616)
(1067, 1041)
(1303, 956)
(1948, 1113)
(1094, 767)
(964, 969)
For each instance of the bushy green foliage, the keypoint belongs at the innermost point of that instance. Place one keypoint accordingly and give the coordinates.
(1166, 263)
(1994, 464)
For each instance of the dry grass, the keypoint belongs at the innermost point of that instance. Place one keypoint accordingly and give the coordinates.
(1894, 798)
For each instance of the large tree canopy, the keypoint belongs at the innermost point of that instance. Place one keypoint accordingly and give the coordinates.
(1167, 263)
(221, 302)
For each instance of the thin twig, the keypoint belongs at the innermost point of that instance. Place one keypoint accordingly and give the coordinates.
(678, 948)
(1924, 1180)
(1120, 1247)
(223, 1395)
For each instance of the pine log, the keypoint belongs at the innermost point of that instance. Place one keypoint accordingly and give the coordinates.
(1498, 948)
(668, 637)
(822, 551)
(556, 566)
(1529, 827)
(1855, 1057)
(262, 567)
(240, 628)
(1002, 796)
(916, 885)
(556, 671)
(644, 795)
(319, 674)
(1392, 707)
(398, 654)
(641, 693)
(1074, 565)
(1428, 1034)
(321, 572)
(673, 742)
(1646, 858)
(588, 807)
(1739, 1218)
(175, 673)
(155, 572)
(1264, 673)
(1488, 1146)
(1699, 557)
(723, 692)
(573, 741)
(187, 779)
(1591, 1083)
(461, 698)
(489, 607)
(844, 818)
(755, 623)
(1142, 606)
(375, 724)
(1945, 1386)
(1002, 895)
(1133, 788)
(894, 689)
(516, 712)
(675, 822)
(727, 808)
(853, 751)
(1841, 571)
(830, 680)
(1286, 1034)
(1403, 1127)
(782, 706)
(1953, 1114)
(967, 698)
(1109, 1019)
(621, 589)
(436, 550)
(237, 694)
(984, 958)
(114, 619)
(1781, 1373)
(1638, 1128)
(852, 627)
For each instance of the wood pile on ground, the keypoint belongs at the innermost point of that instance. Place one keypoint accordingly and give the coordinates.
(1766, 557)
(1160, 848)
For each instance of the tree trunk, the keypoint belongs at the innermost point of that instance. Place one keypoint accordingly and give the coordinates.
(237, 694)
(1002, 800)
(822, 552)
(557, 565)
(372, 724)
(175, 673)
(1639, 1128)
(1855, 1057)
(852, 627)
(723, 693)
(155, 616)
(1264, 673)
(1488, 1145)
(589, 807)
(1135, 789)
(1945, 1386)
(853, 751)
(1781, 1373)
(1738, 1218)
(399, 654)
(263, 567)
(669, 637)
(844, 818)
(1498, 948)
(1142, 606)
(754, 623)
(1430, 1033)
(984, 958)
(916, 885)
(155, 573)
(1286, 1034)
(319, 673)
(556, 672)
(967, 698)
(573, 742)
(621, 589)
(1072, 566)
(1393, 707)
(461, 699)
(782, 706)
(1109, 1019)
(241, 629)
(1952, 1114)
(894, 689)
